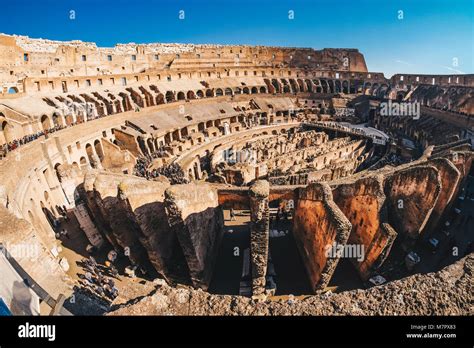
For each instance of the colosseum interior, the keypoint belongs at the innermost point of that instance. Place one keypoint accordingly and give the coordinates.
(212, 179)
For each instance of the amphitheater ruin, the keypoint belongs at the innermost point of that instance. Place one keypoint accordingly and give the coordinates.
(218, 179)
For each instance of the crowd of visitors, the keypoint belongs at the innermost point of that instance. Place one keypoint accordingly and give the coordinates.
(173, 171)
(13, 145)
(98, 279)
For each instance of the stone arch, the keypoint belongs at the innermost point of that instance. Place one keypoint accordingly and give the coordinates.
(254, 90)
(45, 123)
(209, 93)
(190, 95)
(246, 90)
(57, 120)
(276, 85)
(228, 91)
(160, 99)
(331, 86)
(345, 87)
(99, 150)
(324, 86)
(151, 146)
(142, 145)
(13, 90)
(200, 94)
(181, 96)
(219, 92)
(83, 161)
(6, 130)
(90, 154)
(263, 89)
(169, 97)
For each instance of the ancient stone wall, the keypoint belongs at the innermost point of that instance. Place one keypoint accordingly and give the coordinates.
(319, 223)
(259, 235)
(195, 217)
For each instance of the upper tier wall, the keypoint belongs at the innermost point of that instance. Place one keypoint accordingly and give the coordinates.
(21, 56)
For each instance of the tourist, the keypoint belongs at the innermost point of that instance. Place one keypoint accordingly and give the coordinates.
(232, 214)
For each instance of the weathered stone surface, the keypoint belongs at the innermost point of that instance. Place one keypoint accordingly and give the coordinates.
(144, 202)
(411, 197)
(447, 292)
(318, 224)
(450, 178)
(196, 218)
(362, 202)
(259, 234)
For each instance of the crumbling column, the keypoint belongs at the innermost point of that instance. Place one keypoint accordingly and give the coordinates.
(259, 235)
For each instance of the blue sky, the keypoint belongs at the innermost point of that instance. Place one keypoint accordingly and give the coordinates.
(432, 37)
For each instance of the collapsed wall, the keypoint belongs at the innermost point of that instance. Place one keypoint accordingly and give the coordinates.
(195, 217)
(104, 189)
(144, 203)
(411, 197)
(319, 223)
(362, 202)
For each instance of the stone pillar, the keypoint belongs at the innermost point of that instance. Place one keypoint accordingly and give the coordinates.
(259, 235)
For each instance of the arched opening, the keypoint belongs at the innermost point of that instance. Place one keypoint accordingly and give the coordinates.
(45, 122)
(276, 85)
(246, 90)
(263, 90)
(90, 155)
(160, 99)
(169, 97)
(324, 86)
(191, 95)
(57, 120)
(200, 94)
(151, 146)
(12, 90)
(69, 119)
(345, 87)
(7, 132)
(209, 93)
(181, 96)
(98, 149)
(254, 90)
(56, 169)
(83, 162)
(76, 166)
(219, 92)
(228, 91)
(141, 144)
